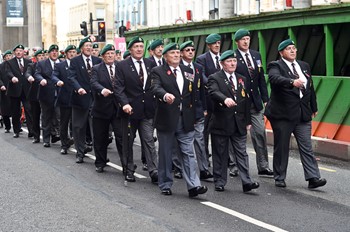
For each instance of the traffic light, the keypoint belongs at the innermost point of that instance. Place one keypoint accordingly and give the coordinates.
(83, 27)
(101, 32)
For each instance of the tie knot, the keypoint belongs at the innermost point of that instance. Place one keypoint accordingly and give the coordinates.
(217, 57)
(139, 61)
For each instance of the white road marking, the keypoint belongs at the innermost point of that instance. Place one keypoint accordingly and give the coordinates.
(243, 217)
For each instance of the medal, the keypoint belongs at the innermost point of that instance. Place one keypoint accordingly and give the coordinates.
(190, 87)
(243, 93)
(199, 83)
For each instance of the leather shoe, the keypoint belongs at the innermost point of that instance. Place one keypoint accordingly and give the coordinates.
(87, 149)
(79, 160)
(15, 135)
(233, 173)
(7, 131)
(316, 182)
(193, 192)
(144, 167)
(167, 192)
(30, 135)
(154, 177)
(88, 143)
(99, 169)
(248, 187)
(129, 177)
(55, 139)
(280, 183)
(266, 172)
(46, 145)
(64, 151)
(36, 141)
(205, 175)
(178, 174)
(219, 188)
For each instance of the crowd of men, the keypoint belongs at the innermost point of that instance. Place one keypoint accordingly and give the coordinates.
(87, 94)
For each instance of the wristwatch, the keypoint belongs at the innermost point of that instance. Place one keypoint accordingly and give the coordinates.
(291, 82)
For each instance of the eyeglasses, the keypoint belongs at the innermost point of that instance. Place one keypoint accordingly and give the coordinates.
(190, 49)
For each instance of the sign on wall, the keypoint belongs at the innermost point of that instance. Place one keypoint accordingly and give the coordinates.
(14, 13)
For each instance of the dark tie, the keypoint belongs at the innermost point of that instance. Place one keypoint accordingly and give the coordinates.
(88, 66)
(250, 66)
(296, 76)
(232, 86)
(175, 72)
(159, 62)
(112, 75)
(21, 67)
(217, 63)
(141, 72)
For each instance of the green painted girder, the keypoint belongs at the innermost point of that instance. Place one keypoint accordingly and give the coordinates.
(284, 19)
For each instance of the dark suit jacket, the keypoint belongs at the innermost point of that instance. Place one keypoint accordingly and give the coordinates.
(12, 70)
(228, 121)
(79, 78)
(209, 67)
(130, 91)
(151, 58)
(65, 92)
(103, 107)
(34, 88)
(5, 102)
(167, 115)
(44, 70)
(257, 85)
(285, 102)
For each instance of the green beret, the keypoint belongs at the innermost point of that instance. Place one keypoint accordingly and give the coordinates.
(212, 38)
(227, 54)
(155, 44)
(18, 46)
(126, 54)
(135, 39)
(61, 56)
(85, 40)
(95, 45)
(169, 47)
(241, 33)
(7, 52)
(118, 51)
(52, 47)
(106, 48)
(70, 47)
(186, 44)
(149, 47)
(285, 44)
(45, 51)
(78, 51)
(38, 52)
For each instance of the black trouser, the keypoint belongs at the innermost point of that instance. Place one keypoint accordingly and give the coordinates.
(48, 112)
(16, 113)
(65, 118)
(36, 111)
(7, 122)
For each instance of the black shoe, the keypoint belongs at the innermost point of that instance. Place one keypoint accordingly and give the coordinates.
(266, 172)
(30, 135)
(155, 139)
(79, 160)
(64, 151)
(88, 143)
(145, 167)
(110, 139)
(55, 139)
(219, 188)
(233, 173)
(99, 169)
(167, 192)
(71, 142)
(248, 187)
(20, 130)
(7, 130)
(36, 140)
(129, 177)
(280, 183)
(87, 149)
(205, 175)
(154, 177)
(316, 182)
(47, 145)
(193, 192)
(178, 174)
(15, 135)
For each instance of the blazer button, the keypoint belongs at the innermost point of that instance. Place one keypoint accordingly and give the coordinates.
(143, 100)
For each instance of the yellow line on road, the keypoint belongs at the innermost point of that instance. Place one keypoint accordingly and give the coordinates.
(324, 169)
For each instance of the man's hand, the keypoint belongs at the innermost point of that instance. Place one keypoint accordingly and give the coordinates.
(169, 98)
(60, 83)
(127, 109)
(14, 80)
(81, 91)
(298, 83)
(3, 88)
(229, 102)
(248, 127)
(106, 92)
(314, 114)
(43, 82)
(31, 79)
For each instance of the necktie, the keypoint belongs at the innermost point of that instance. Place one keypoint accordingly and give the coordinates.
(217, 63)
(175, 71)
(159, 62)
(21, 67)
(233, 86)
(88, 66)
(296, 76)
(112, 75)
(250, 66)
(141, 72)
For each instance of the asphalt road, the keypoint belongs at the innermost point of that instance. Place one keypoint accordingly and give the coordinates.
(42, 190)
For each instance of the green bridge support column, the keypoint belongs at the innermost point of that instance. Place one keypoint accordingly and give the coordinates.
(292, 35)
(262, 49)
(234, 45)
(329, 51)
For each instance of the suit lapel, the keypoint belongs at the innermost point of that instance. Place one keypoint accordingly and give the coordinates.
(227, 83)
(171, 76)
(105, 74)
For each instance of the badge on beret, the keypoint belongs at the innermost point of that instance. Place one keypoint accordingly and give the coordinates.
(177, 46)
(140, 39)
